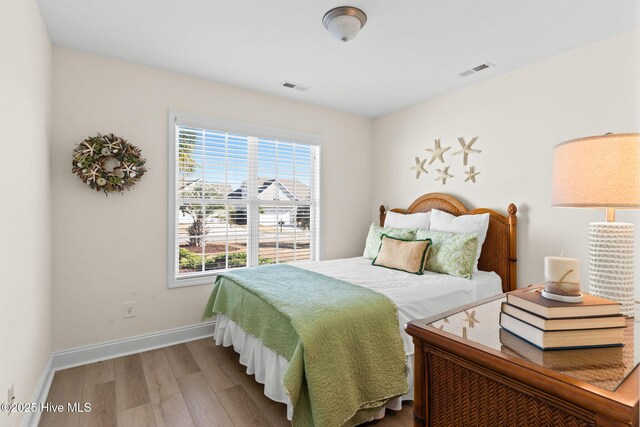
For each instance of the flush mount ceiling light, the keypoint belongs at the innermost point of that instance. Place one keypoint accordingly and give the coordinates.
(344, 22)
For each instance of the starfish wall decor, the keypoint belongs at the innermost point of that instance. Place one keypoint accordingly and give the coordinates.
(471, 174)
(419, 167)
(443, 175)
(466, 149)
(437, 151)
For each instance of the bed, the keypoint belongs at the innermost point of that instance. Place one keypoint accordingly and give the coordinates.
(414, 296)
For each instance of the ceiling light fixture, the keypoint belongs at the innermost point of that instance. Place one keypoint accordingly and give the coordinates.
(344, 22)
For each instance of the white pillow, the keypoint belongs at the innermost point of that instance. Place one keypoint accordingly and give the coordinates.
(406, 221)
(443, 221)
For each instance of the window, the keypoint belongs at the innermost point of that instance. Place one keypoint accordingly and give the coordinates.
(240, 197)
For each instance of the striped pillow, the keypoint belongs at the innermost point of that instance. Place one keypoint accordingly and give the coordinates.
(403, 255)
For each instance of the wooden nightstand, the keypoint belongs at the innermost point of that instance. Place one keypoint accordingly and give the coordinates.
(470, 372)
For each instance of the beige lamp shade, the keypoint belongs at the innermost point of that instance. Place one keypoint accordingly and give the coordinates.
(597, 171)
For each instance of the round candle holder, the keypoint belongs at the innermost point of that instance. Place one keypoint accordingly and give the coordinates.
(572, 299)
(562, 279)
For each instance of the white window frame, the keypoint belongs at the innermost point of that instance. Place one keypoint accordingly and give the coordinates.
(179, 118)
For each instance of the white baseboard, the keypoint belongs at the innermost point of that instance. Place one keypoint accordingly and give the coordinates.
(40, 393)
(108, 350)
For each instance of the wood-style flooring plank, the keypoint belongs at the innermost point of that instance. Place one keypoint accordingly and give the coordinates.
(407, 406)
(102, 398)
(99, 372)
(131, 387)
(210, 364)
(255, 390)
(277, 415)
(226, 357)
(66, 387)
(181, 360)
(241, 408)
(204, 406)
(169, 407)
(229, 359)
(396, 419)
(140, 416)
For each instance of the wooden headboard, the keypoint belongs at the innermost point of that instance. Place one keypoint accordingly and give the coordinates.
(499, 248)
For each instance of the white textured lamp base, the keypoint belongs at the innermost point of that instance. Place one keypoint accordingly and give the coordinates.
(611, 263)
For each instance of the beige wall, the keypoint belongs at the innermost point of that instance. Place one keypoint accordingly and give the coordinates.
(108, 250)
(25, 217)
(518, 118)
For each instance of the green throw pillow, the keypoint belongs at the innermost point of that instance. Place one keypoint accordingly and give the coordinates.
(375, 237)
(450, 253)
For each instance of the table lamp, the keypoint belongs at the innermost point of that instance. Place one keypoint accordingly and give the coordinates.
(603, 172)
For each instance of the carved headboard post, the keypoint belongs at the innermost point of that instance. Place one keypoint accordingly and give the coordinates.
(513, 259)
(383, 214)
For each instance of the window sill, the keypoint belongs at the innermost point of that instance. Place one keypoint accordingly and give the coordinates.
(208, 279)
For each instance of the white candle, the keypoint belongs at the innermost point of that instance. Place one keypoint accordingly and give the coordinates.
(561, 269)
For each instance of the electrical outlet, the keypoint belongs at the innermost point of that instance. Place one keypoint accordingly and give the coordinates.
(129, 310)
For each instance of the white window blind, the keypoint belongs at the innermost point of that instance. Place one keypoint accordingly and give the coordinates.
(240, 200)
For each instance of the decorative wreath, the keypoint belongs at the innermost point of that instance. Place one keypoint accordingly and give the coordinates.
(108, 163)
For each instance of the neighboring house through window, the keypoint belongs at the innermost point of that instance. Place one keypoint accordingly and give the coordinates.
(240, 196)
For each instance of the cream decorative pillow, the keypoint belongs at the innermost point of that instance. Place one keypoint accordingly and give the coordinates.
(415, 220)
(404, 255)
(450, 253)
(477, 223)
(374, 237)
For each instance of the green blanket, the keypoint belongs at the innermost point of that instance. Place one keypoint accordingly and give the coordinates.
(342, 341)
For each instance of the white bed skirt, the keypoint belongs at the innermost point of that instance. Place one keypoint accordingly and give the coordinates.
(269, 367)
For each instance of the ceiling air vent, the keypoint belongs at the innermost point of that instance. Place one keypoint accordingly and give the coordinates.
(296, 86)
(476, 69)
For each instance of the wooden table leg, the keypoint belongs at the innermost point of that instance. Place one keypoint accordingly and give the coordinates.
(419, 385)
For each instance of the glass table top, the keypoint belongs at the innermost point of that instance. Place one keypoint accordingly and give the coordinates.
(602, 367)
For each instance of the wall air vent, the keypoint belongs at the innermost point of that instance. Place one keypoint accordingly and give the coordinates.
(476, 69)
(296, 86)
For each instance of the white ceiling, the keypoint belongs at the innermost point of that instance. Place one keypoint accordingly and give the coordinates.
(409, 50)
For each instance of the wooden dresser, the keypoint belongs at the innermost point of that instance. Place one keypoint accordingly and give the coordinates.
(470, 372)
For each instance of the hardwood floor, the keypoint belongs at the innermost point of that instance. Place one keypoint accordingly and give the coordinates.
(194, 384)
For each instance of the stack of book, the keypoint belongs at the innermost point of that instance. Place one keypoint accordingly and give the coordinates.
(548, 324)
